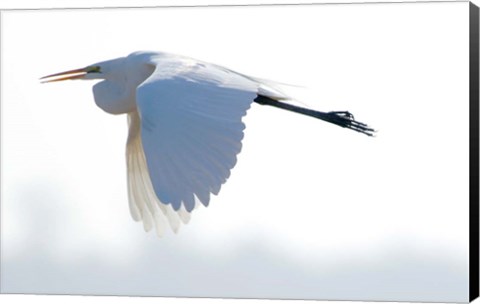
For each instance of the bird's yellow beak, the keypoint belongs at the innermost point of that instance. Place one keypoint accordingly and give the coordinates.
(68, 75)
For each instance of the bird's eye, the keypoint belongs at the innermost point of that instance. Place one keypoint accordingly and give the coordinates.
(94, 69)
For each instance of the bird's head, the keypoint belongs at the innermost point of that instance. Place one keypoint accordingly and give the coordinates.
(100, 70)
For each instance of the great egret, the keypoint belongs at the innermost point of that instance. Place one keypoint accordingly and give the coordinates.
(185, 127)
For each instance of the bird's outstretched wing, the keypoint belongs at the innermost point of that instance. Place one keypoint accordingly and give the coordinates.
(190, 130)
(143, 202)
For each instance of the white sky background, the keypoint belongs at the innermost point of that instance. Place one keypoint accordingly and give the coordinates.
(310, 211)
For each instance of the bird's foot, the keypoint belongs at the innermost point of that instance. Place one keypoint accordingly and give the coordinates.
(344, 114)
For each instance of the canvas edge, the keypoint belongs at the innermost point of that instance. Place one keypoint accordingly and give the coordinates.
(474, 153)
(1, 149)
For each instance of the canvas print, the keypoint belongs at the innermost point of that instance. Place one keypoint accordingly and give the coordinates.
(324, 153)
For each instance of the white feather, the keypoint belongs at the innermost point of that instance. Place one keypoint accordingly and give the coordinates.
(191, 129)
(144, 205)
(185, 135)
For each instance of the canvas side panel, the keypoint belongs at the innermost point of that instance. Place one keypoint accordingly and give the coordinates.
(474, 154)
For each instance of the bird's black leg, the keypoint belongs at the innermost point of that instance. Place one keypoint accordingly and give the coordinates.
(343, 119)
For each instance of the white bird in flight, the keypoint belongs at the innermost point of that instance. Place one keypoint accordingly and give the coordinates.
(185, 127)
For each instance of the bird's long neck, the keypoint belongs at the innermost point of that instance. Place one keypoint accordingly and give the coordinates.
(117, 94)
(112, 97)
